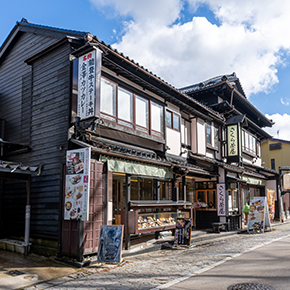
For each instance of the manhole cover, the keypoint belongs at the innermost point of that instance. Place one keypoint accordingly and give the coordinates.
(249, 286)
(14, 273)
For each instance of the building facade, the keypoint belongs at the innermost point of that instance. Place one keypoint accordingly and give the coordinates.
(276, 156)
(156, 152)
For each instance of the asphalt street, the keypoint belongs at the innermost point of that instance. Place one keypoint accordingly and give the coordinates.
(212, 264)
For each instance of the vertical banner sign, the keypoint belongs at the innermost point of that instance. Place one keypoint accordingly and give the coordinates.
(233, 143)
(271, 204)
(232, 140)
(77, 184)
(221, 199)
(89, 84)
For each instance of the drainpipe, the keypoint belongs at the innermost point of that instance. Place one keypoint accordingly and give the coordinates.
(27, 217)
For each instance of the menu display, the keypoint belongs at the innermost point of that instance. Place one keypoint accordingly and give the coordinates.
(77, 184)
(182, 232)
(258, 213)
(110, 245)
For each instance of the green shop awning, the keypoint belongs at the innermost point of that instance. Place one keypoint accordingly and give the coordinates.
(135, 168)
(254, 181)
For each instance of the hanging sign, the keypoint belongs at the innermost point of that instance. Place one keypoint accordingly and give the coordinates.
(89, 78)
(233, 143)
(182, 232)
(77, 182)
(221, 199)
(258, 214)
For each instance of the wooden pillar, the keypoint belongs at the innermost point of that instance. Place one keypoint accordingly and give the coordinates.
(127, 208)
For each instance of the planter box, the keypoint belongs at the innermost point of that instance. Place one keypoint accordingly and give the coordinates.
(13, 246)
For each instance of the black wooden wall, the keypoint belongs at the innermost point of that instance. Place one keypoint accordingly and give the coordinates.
(35, 102)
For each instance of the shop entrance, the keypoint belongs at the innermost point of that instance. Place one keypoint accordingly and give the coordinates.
(118, 197)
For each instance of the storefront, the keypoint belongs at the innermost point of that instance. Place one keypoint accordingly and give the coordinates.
(205, 204)
(146, 197)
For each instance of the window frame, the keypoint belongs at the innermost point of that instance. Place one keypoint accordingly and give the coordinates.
(249, 143)
(133, 125)
(172, 115)
(208, 135)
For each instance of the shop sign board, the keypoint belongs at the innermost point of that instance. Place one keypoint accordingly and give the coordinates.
(258, 214)
(221, 200)
(110, 244)
(271, 204)
(77, 182)
(182, 232)
(233, 143)
(89, 78)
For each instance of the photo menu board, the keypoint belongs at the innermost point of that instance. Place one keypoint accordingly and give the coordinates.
(258, 214)
(77, 182)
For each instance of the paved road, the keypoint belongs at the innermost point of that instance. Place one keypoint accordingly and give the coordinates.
(267, 265)
(167, 268)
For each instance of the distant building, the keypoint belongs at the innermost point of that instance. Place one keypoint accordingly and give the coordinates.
(276, 153)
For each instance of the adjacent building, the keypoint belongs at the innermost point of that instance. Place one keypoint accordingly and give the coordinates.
(276, 156)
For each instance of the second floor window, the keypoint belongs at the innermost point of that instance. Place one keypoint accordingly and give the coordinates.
(172, 121)
(208, 133)
(127, 109)
(249, 142)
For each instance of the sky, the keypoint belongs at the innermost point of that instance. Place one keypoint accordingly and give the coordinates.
(185, 41)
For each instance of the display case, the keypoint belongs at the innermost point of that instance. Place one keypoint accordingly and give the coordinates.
(151, 218)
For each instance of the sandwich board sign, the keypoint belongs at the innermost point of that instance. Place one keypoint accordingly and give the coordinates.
(259, 217)
(110, 244)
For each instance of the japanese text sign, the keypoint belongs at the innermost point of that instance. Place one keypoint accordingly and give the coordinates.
(221, 199)
(89, 84)
(77, 184)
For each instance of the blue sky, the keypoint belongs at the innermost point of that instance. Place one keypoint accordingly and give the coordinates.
(185, 41)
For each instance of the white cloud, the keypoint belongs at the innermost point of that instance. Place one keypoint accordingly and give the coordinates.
(249, 40)
(281, 124)
(284, 103)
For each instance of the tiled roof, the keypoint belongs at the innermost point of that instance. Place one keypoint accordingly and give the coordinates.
(232, 79)
(12, 167)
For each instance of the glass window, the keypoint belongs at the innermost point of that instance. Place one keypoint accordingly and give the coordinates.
(142, 112)
(176, 122)
(156, 117)
(108, 97)
(168, 119)
(189, 189)
(233, 200)
(249, 142)
(216, 137)
(125, 106)
(208, 133)
(165, 190)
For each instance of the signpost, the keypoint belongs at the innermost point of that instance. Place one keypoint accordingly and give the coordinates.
(182, 232)
(110, 245)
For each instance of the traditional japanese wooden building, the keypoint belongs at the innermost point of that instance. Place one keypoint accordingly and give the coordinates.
(240, 164)
(115, 143)
(139, 130)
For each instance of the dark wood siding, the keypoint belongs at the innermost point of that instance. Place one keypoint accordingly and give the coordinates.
(35, 102)
(12, 71)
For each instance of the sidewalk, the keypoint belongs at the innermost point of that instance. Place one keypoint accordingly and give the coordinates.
(42, 271)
